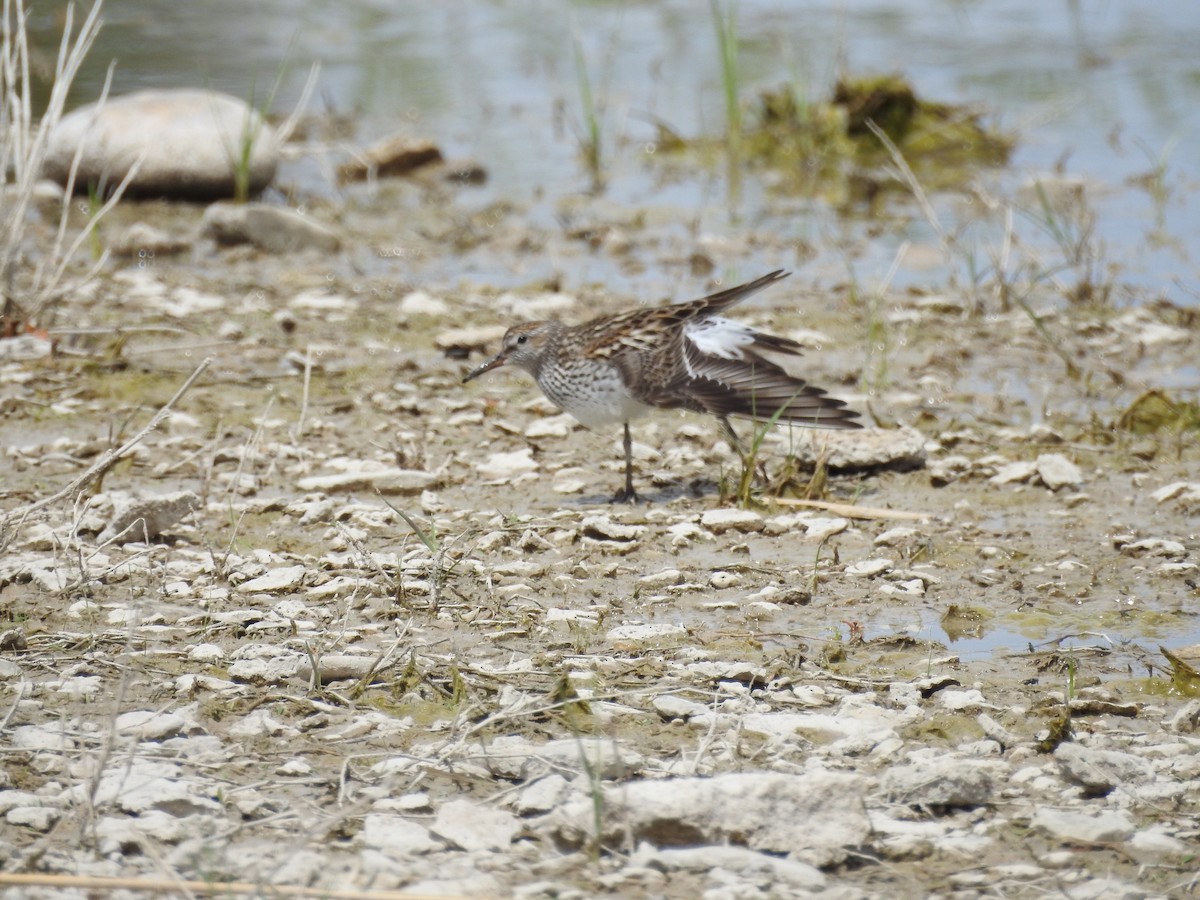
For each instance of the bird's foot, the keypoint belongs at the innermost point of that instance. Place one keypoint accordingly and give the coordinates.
(626, 495)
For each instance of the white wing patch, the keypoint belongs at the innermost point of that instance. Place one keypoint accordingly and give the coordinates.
(719, 337)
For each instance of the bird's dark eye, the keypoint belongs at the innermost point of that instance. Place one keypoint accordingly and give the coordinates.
(523, 339)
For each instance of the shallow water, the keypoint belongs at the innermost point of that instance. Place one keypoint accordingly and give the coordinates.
(1100, 92)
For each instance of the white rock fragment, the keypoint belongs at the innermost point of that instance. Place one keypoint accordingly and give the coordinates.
(660, 579)
(1188, 491)
(894, 537)
(719, 521)
(371, 477)
(1152, 843)
(816, 818)
(501, 468)
(643, 634)
(476, 337)
(51, 736)
(958, 701)
(542, 795)
(1082, 827)
(550, 427)
(420, 303)
(145, 518)
(260, 723)
(270, 228)
(138, 785)
(285, 578)
(473, 826)
(913, 587)
(949, 468)
(23, 347)
(813, 528)
(604, 528)
(518, 759)
(944, 782)
(571, 616)
(721, 580)
(1153, 547)
(206, 653)
(38, 818)
(396, 835)
(1057, 471)
(672, 707)
(865, 448)
(869, 568)
(1014, 472)
(150, 725)
(267, 670)
(338, 667)
(787, 875)
(1099, 771)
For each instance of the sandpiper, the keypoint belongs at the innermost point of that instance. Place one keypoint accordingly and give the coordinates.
(683, 356)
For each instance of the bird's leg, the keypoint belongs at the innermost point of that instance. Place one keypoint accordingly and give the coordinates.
(731, 437)
(628, 494)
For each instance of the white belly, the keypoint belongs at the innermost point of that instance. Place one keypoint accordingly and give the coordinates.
(596, 401)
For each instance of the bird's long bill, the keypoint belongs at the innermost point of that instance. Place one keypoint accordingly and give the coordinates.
(495, 361)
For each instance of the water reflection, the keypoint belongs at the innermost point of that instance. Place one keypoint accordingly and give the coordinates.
(1104, 91)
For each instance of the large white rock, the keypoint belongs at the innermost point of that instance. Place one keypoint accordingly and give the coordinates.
(190, 142)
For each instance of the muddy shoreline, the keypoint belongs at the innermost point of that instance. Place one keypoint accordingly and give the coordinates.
(293, 684)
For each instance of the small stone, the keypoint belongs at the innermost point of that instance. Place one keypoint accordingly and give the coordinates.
(456, 341)
(146, 518)
(1081, 827)
(384, 479)
(948, 469)
(39, 818)
(286, 578)
(1057, 471)
(939, 783)
(719, 521)
(270, 228)
(146, 241)
(672, 707)
(1016, 472)
(1099, 771)
(473, 826)
(660, 579)
(869, 568)
(1154, 547)
(338, 667)
(1187, 489)
(390, 157)
(504, 467)
(894, 537)
(722, 580)
(396, 835)
(551, 426)
(541, 795)
(641, 634)
(420, 303)
(150, 725)
(603, 528)
(862, 449)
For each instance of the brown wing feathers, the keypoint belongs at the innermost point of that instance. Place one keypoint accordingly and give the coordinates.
(757, 388)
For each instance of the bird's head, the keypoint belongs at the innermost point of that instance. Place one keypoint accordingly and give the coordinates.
(522, 346)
